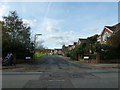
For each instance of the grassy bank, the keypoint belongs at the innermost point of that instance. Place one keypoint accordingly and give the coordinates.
(38, 55)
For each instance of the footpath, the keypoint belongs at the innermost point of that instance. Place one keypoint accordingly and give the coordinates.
(95, 65)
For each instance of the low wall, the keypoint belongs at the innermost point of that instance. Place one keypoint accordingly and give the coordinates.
(101, 61)
(110, 61)
(18, 61)
(88, 61)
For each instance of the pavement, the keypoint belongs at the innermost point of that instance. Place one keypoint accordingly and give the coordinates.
(61, 72)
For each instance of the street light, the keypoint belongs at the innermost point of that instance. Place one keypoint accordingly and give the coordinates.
(35, 42)
(36, 38)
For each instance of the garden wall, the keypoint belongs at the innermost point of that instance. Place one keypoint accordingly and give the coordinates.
(88, 61)
(101, 61)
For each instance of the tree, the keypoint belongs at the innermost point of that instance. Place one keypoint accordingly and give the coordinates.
(15, 34)
(114, 43)
(114, 40)
(78, 51)
(90, 43)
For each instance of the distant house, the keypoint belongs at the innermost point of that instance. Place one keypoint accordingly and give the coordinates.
(107, 32)
(65, 48)
(58, 51)
(74, 45)
(81, 40)
(70, 47)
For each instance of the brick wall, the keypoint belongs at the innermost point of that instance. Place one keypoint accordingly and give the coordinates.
(101, 61)
(88, 61)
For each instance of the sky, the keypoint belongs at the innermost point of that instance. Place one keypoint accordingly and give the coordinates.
(62, 23)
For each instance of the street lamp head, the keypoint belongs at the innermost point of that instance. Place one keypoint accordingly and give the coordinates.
(38, 34)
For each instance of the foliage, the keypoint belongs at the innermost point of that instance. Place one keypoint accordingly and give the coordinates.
(79, 50)
(108, 52)
(15, 35)
(114, 40)
(90, 44)
(92, 56)
(89, 48)
(67, 54)
(37, 56)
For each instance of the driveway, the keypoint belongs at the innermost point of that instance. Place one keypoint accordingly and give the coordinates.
(61, 72)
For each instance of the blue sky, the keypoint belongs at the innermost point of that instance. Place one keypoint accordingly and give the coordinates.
(63, 22)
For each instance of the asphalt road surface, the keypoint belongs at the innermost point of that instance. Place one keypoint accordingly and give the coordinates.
(59, 72)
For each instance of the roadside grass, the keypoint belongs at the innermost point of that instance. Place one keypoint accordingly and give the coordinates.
(38, 55)
(39, 59)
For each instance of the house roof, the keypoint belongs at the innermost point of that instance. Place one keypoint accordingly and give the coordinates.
(57, 49)
(75, 43)
(82, 39)
(70, 45)
(114, 27)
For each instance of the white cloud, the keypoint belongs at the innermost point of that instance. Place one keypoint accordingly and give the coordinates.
(51, 25)
(30, 22)
(54, 35)
(59, 39)
(4, 9)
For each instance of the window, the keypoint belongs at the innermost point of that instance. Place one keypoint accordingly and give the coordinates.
(105, 36)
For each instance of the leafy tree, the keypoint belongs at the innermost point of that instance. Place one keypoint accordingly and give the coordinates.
(15, 34)
(90, 44)
(78, 50)
(114, 40)
(114, 43)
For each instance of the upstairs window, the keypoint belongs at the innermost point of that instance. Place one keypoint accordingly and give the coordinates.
(105, 36)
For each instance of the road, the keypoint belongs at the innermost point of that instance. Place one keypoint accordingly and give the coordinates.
(59, 72)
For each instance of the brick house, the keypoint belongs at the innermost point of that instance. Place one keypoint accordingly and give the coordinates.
(74, 45)
(81, 40)
(107, 32)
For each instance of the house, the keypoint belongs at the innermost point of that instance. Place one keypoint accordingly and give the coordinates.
(65, 48)
(70, 47)
(81, 40)
(58, 51)
(107, 32)
(74, 45)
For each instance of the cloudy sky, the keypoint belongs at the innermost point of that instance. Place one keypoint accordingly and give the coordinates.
(63, 22)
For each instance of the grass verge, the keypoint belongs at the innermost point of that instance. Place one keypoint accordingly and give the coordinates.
(38, 55)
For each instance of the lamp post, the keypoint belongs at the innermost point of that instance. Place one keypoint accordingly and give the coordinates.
(35, 44)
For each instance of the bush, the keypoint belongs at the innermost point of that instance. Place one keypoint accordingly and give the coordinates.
(67, 54)
(92, 56)
(109, 54)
